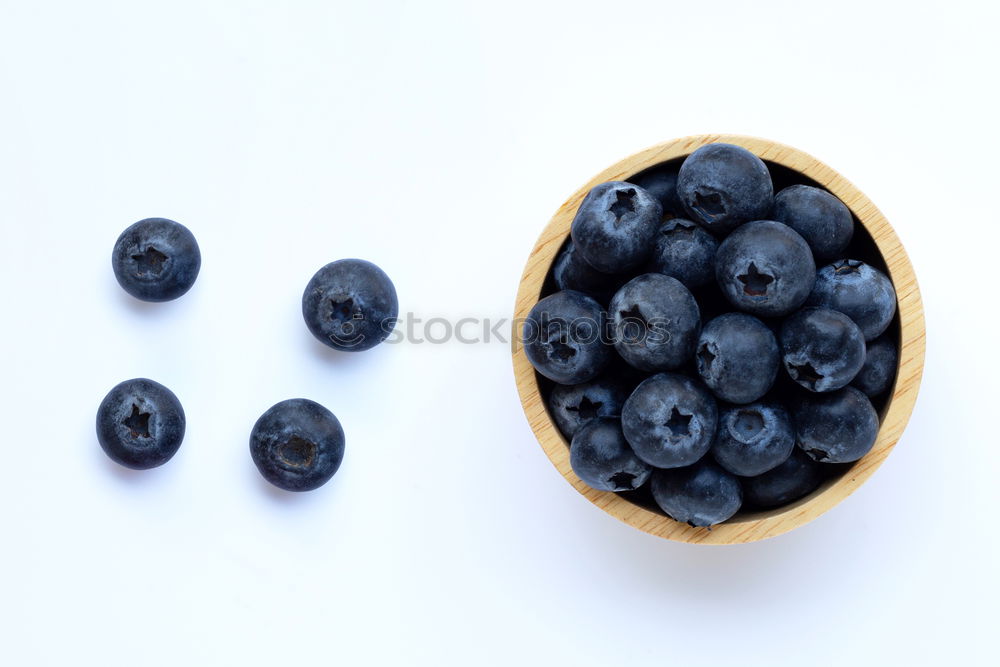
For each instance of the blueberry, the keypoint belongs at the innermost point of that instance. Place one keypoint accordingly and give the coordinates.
(601, 457)
(723, 186)
(685, 251)
(701, 495)
(156, 259)
(879, 369)
(574, 405)
(297, 445)
(669, 420)
(140, 424)
(797, 476)
(615, 225)
(564, 337)
(350, 305)
(838, 427)
(819, 217)
(822, 349)
(570, 271)
(765, 268)
(859, 291)
(655, 322)
(737, 357)
(661, 182)
(753, 439)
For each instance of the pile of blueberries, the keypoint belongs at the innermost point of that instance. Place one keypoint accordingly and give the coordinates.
(297, 444)
(692, 352)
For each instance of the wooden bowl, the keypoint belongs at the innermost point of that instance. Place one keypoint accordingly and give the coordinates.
(895, 412)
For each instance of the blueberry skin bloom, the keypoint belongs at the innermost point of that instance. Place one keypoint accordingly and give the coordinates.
(564, 337)
(669, 420)
(350, 305)
(685, 251)
(570, 271)
(797, 476)
(655, 322)
(737, 357)
(601, 457)
(859, 291)
(819, 217)
(614, 227)
(297, 445)
(723, 186)
(156, 259)
(838, 427)
(753, 439)
(765, 268)
(661, 182)
(879, 369)
(572, 406)
(822, 349)
(701, 495)
(140, 424)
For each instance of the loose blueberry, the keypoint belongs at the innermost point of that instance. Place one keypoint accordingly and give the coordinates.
(685, 251)
(723, 186)
(797, 476)
(601, 457)
(572, 406)
(661, 182)
(655, 322)
(156, 259)
(753, 439)
(859, 291)
(140, 424)
(838, 427)
(297, 445)
(571, 272)
(819, 217)
(822, 349)
(738, 357)
(564, 337)
(765, 268)
(615, 225)
(879, 369)
(350, 305)
(669, 420)
(701, 495)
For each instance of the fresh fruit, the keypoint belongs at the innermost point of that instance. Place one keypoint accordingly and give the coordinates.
(570, 271)
(859, 291)
(572, 406)
(737, 357)
(602, 458)
(669, 420)
(765, 268)
(797, 476)
(701, 495)
(615, 225)
(819, 217)
(661, 182)
(156, 259)
(655, 322)
(564, 337)
(753, 439)
(140, 424)
(822, 349)
(723, 186)
(879, 369)
(297, 445)
(350, 305)
(685, 251)
(837, 427)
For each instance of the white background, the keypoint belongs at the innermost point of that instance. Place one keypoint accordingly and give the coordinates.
(436, 139)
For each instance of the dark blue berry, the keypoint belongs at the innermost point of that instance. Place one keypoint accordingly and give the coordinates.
(661, 182)
(797, 476)
(753, 439)
(838, 427)
(350, 305)
(737, 357)
(859, 291)
(822, 349)
(765, 268)
(156, 259)
(879, 369)
(571, 272)
(574, 405)
(723, 186)
(655, 322)
(140, 424)
(615, 225)
(564, 337)
(601, 457)
(819, 217)
(701, 495)
(669, 420)
(685, 251)
(297, 445)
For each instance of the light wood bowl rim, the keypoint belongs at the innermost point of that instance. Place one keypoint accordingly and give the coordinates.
(759, 525)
